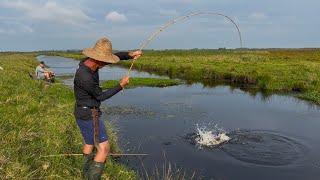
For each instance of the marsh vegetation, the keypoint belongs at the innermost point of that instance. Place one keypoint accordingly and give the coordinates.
(272, 71)
(268, 70)
(37, 120)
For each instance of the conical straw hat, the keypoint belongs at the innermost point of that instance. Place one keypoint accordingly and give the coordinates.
(102, 51)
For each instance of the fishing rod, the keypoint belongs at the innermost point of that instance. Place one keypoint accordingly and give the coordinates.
(111, 154)
(182, 18)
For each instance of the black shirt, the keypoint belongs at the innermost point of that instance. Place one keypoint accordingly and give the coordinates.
(87, 91)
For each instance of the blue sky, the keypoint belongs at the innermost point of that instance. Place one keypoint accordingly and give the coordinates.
(27, 25)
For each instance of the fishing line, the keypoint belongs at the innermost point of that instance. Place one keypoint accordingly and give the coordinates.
(182, 18)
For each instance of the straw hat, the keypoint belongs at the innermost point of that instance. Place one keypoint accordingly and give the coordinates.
(102, 51)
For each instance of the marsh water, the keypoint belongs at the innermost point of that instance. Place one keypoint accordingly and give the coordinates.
(274, 137)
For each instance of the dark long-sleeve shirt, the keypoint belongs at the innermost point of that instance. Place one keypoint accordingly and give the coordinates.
(87, 90)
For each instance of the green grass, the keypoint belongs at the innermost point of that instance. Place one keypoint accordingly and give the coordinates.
(143, 82)
(271, 71)
(38, 120)
(267, 70)
(71, 54)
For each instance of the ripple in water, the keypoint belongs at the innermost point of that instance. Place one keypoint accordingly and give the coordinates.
(263, 148)
(250, 146)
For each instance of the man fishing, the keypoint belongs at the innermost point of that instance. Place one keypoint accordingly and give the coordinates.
(89, 96)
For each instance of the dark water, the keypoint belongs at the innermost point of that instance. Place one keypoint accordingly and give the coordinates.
(275, 137)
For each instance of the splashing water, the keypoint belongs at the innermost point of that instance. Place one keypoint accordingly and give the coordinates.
(211, 138)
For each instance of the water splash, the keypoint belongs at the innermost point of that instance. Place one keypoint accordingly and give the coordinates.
(260, 147)
(211, 138)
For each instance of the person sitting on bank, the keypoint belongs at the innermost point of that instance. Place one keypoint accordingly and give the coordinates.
(89, 96)
(42, 73)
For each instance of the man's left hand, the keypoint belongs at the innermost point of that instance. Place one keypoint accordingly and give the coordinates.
(135, 54)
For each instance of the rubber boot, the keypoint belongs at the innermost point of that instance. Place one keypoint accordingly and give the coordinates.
(87, 161)
(96, 170)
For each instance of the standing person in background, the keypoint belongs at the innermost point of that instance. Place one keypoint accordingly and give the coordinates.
(89, 96)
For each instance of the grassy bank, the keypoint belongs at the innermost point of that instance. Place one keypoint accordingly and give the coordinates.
(143, 82)
(272, 71)
(74, 54)
(37, 120)
(268, 70)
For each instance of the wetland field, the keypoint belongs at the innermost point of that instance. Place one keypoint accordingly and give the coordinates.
(266, 100)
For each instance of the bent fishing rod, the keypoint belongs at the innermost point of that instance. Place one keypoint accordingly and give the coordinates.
(182, 18)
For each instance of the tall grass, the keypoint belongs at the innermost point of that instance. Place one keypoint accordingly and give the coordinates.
(37, 120)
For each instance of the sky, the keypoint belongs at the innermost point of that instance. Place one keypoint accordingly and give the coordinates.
(28, 25)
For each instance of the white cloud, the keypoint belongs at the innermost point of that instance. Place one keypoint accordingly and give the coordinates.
(27, 29)
(116, 17)
(49, 12)
(15, 29)
(258, 16)
(23, 29)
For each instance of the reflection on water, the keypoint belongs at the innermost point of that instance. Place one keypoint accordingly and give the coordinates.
(280, 140)
(176, 111)
(264, 148)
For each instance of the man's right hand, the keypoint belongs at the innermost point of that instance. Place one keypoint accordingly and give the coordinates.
(124, 81)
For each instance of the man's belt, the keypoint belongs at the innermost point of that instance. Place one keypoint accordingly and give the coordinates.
(89, 107)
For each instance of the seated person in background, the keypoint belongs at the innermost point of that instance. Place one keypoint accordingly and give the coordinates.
(42, 73)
